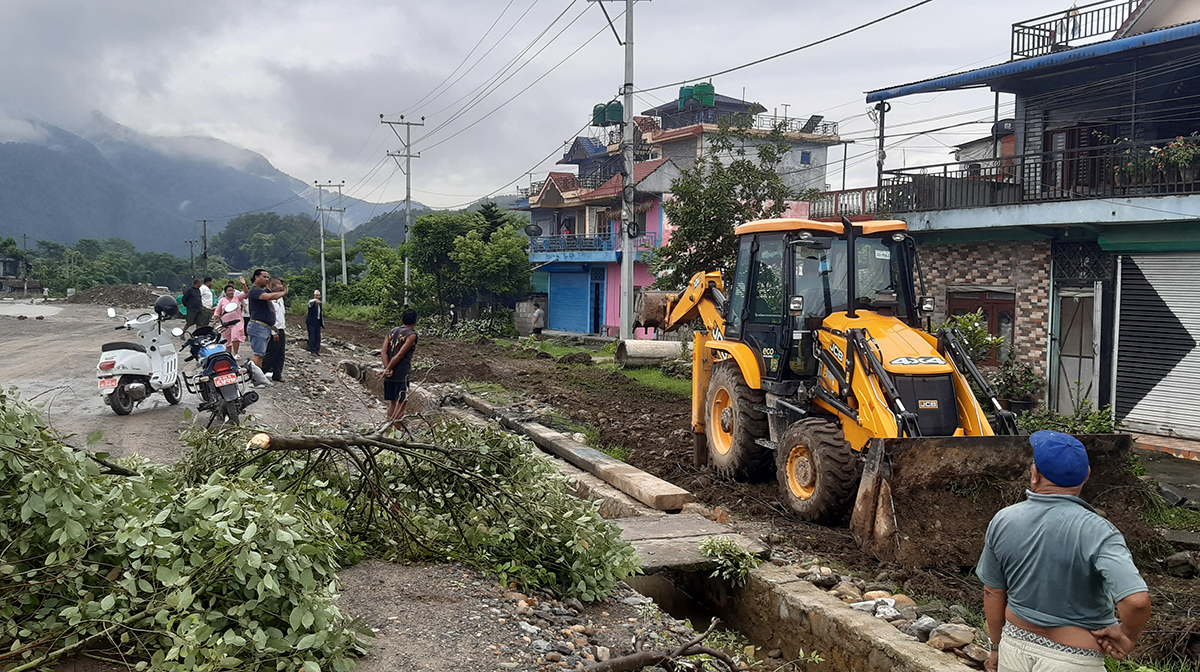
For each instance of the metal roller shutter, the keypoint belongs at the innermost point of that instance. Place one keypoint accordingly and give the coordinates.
(568, 302)
(1158, 363)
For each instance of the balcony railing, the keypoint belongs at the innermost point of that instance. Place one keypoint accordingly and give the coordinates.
(815, 125)
(599, 242)
(533, 188)
(1110, 171)
(1070, 28)
(848, 203)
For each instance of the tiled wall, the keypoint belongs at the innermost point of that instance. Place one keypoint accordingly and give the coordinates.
(1022, 267)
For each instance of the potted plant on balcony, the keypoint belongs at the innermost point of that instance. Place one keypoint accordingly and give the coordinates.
(1181, 154)
(1015, 383)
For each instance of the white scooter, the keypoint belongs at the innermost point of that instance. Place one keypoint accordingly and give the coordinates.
(129, 371)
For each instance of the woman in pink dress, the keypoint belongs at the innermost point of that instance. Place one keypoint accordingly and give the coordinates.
(235, 330)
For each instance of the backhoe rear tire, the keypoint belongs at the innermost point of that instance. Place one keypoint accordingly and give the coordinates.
(732, 424)
(816, 470)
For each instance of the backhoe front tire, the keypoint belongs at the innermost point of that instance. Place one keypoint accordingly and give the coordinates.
(732, 424)
(816, 470)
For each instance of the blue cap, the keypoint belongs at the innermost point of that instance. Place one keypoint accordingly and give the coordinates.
(1060, 458)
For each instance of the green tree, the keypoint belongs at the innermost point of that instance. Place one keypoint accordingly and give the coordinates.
(431, 248)
(285, 250)
(729, 185)
(497, 267)
(493, 219)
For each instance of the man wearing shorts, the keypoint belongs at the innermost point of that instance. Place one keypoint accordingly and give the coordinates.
(261, 327)
(1053, 570)
(397, 362)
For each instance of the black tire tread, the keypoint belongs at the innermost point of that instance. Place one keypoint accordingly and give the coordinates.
(746, 459)
(836, 468)
(174, 394)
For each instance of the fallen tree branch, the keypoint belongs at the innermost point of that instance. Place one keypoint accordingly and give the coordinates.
(641, 659)
(112, 469)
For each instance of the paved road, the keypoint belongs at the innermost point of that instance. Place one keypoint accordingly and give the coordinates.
(53, 361)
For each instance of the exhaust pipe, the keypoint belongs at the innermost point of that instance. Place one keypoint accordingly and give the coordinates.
(136, 391)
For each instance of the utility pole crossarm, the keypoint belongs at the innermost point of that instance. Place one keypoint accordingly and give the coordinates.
(408, 156)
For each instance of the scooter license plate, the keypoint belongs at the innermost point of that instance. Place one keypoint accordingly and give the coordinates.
(227, 379)
(106, 383)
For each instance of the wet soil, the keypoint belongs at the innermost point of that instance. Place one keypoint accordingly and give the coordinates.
(655, 427)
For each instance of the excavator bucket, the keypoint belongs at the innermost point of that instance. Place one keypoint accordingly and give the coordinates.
(650, 308)
(927, 501)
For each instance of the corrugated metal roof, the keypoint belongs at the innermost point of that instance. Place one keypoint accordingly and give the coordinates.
(983, 76)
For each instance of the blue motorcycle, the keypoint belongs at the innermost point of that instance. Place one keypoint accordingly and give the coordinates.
(220, 383)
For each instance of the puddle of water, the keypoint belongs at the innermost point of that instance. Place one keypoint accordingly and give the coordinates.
(672, 600)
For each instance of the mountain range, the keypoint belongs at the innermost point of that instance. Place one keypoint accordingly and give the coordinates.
(110, 181)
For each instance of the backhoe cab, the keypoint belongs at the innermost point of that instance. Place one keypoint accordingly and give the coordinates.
(817, 351)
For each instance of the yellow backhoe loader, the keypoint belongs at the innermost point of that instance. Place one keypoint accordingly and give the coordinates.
(815, 363)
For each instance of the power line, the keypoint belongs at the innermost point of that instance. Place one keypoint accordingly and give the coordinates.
(789, 51)
(517, 94)
(465, 59)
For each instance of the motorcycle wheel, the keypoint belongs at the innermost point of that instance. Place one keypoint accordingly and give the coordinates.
(121, 401)
(174, 393)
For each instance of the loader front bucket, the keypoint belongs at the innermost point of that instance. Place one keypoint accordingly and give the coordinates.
(928, 501)
(650, 308)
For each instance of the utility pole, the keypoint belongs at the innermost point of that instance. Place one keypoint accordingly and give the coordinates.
(321, 225)
(341, 228)
(191, 258)
(628, 218)
(408, 156)
(25, 260)
(845, 150)
(203, 246)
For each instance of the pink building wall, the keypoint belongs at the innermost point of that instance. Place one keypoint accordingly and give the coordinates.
(612, 293)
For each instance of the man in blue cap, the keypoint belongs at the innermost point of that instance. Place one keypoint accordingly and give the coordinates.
(1053, 570)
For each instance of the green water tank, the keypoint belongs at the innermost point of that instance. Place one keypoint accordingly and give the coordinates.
(615, 112)
(598, 114)
(706, 92)
(685, 92)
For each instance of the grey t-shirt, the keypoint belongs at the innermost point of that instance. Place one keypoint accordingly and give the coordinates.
(1061, 563)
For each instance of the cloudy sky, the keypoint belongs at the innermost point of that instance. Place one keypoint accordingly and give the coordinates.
(304, 83)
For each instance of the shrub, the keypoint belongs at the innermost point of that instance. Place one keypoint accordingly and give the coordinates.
(974, 334)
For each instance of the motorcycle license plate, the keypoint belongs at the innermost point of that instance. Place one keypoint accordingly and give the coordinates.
(106, 383)
(227, 379)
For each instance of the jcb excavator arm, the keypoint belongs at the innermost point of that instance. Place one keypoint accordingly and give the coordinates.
(702, 298)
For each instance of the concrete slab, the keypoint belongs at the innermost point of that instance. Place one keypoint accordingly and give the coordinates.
(673, 541)
(1183, 539)
(1182, 474)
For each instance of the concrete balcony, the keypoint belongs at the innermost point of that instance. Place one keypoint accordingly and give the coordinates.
(603, 247)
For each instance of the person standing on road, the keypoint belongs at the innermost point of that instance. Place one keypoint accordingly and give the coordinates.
(539, 318)
(261, 328)
(1053, 570)
(235, 327)
(206, 298)
(314, 321)
(273, 362)
(194, 306)
(398, 350)
(453, 316)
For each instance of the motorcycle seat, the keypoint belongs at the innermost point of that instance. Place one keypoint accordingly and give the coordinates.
(122, 345)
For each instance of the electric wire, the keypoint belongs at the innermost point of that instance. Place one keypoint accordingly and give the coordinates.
(789, 51)
(464, 60)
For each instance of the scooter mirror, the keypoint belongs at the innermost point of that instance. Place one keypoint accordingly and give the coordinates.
(230, 307)
(112, 312)
(177, 332)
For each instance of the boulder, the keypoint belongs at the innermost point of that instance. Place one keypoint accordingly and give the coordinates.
(1182, 565)
(922, 627)
(876, 594)
(950, 636)
(847, 590)
(822, 580)
(973, 655)
(903, 600)
(575, 358)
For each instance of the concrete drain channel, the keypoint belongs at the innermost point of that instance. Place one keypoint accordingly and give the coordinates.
(775, 609)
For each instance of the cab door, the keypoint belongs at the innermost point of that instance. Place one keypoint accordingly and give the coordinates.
(763, 328)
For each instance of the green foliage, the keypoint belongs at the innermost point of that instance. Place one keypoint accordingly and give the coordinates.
(973, 332)
(498, 266)
(1161, 514)
(227, 572)
(656, 379)
(1014, 380)
(431, 249)
(728, 185)
(733, 563)
(267, 240)
(1084, 420)
(476, 495)
(496, 323)
(112, 261)
(1141, 665)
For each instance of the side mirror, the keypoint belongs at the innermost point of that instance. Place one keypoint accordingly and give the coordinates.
(925, 304)
(796, 305)
(112, 312)
(177, 332)
(230, 307)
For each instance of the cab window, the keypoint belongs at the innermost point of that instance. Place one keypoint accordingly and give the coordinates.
(767, 307)
(737, 297)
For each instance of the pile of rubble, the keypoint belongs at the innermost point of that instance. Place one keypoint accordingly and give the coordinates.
(943, 628)
(117, 296)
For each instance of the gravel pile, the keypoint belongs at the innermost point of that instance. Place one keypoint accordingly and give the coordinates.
(117, 296)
